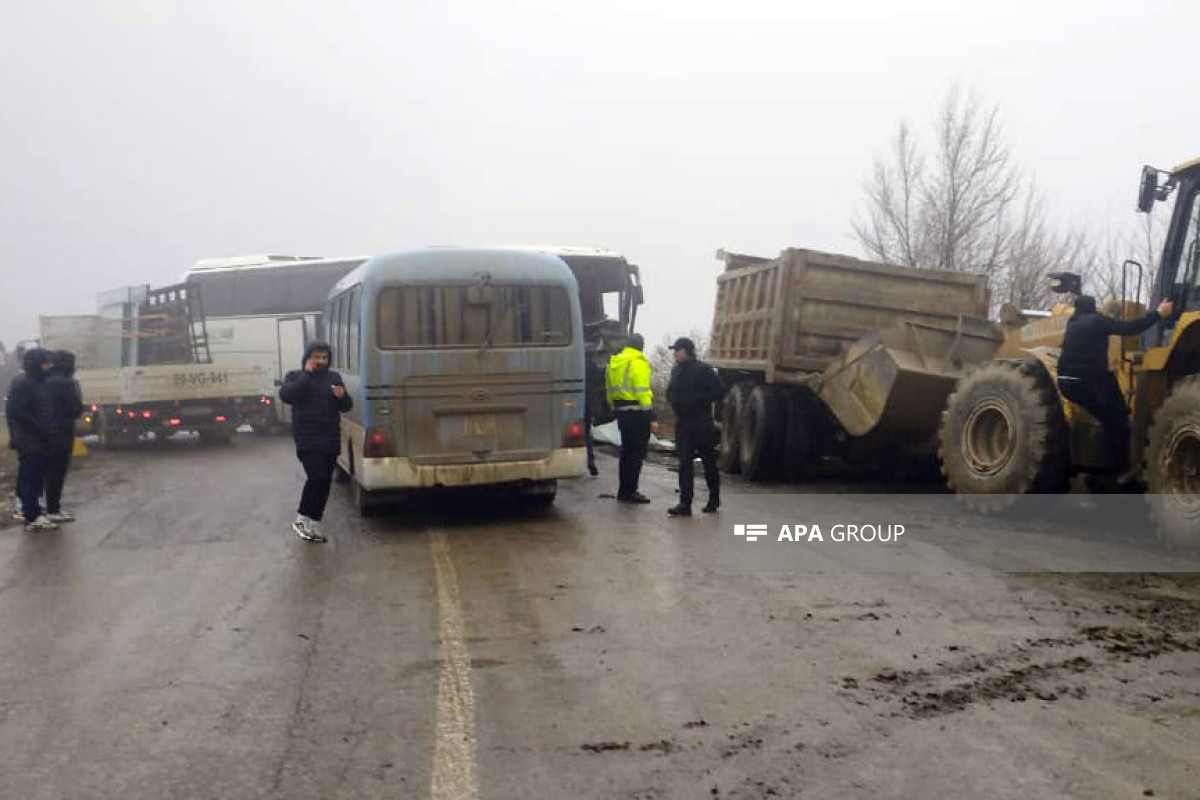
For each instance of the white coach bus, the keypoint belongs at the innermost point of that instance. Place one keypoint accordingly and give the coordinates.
(263, 311)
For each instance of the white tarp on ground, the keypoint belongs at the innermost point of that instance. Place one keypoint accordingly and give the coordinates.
(609, 433)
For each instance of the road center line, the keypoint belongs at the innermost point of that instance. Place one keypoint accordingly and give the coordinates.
(454, 771)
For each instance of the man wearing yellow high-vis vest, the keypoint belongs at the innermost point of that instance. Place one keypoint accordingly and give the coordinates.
(628, 387)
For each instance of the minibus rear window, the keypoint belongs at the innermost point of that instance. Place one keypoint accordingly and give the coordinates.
(421, 316)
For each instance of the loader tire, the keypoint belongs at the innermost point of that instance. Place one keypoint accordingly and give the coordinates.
(731, 415)
(761, 439)
(1003, 435)
(1173, 467)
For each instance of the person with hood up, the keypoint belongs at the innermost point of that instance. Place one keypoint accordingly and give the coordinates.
(318, 399)
(629, 396)
(68, 405)
(30, 412)
(1085, 379)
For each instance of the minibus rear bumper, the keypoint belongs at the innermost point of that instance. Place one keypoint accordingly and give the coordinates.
(379, 474)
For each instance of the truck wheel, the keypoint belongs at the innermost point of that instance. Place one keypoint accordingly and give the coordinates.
(761, 435)
(1003, 435)
(109, 437)
(731, 415)
(800, 415)
(1173, 467)
(216, 435)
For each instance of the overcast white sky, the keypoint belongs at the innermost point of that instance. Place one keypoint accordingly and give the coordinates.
(137, 137)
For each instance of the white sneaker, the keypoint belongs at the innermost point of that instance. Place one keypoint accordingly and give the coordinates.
(61, 516)
(42, 523)
(306, 529)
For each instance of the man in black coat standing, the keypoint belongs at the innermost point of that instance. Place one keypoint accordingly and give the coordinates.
(1085, 379)
(318, 399)
(693, 389)
(68, 405)
(30, 412)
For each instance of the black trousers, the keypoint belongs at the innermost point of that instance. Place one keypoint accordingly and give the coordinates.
(697, 438)
(1101, 397)
(635, 440)
(57, 465)
(31, 480)
(318, 469)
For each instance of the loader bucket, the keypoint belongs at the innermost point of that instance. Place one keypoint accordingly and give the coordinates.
(895, 383)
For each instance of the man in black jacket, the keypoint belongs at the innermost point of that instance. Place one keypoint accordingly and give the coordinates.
(30, 413)
(1084, 377)
(318, 399)
(693, 389)
(68, 405)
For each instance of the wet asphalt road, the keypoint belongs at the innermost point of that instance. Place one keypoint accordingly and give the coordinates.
(179, 641)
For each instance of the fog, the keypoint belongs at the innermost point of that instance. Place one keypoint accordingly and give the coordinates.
(137, 137)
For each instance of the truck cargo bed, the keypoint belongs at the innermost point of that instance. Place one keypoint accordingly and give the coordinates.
(798, 312)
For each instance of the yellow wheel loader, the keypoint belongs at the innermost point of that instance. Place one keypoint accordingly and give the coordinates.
(1007, 431)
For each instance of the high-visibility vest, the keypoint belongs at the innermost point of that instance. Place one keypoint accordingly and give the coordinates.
(628, 379)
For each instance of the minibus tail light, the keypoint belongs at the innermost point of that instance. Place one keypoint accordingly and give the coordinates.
(575, 434)
(378, 443)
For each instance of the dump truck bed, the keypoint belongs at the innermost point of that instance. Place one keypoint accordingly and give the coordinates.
(794, 315)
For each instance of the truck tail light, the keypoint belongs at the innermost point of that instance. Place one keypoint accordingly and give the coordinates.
(221, 418)
(378, 443)
(575, 434)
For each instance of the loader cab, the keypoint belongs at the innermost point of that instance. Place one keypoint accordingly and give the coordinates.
(1179, 273)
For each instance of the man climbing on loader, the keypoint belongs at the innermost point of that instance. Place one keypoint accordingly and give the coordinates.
(1085, 379)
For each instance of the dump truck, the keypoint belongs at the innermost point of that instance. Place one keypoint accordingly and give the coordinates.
(143, 366)
(827, 355)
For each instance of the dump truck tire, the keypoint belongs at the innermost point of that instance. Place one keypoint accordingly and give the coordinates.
(801, 415)
(1173, 467)
(761, 436)
(1003, 435)
(731, 415)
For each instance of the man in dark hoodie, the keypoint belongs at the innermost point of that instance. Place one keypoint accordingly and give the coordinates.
(318, 399)
(68, 405)
(1085, 379)
(30, 412)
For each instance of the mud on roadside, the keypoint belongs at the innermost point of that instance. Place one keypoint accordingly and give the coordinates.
(1122, 618)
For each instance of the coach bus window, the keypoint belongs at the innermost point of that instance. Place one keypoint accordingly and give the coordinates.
(441, 316)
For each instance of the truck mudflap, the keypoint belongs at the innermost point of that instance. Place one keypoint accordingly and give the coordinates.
(896, 382)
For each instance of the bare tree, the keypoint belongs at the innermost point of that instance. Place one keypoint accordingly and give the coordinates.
(967, 207)
(1104, 271)
(948, 211)
(895, 231)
